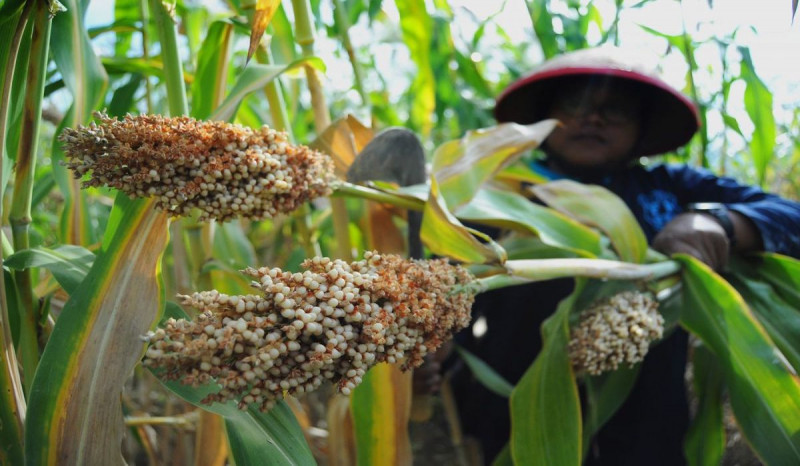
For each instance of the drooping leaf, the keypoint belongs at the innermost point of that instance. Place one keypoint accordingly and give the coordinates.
(253, 78)
(68, 264)
(343, 140)
(764, 395)
(75, 413)
(485, 374)
(380, 406)
(705, 440)
(265, 10)
(443, 234)
(596, 206)
(545, 409)
(462, 166)
(510, 210)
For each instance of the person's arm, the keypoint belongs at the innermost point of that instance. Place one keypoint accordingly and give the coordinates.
(761, 221)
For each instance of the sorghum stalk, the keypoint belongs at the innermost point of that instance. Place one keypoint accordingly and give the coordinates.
(173, 71)
(20, 214)
(544, 269)
(304, 35)
(148, 86)
(343, 25)
(12, 398)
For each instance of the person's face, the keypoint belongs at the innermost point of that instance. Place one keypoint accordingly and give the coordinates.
(600, 128)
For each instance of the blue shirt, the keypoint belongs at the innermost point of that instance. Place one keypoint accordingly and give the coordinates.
(658, 193)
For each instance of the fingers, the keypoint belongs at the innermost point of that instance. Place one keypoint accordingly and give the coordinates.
(696, 235)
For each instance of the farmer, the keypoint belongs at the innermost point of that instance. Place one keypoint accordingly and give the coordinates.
(612, 113)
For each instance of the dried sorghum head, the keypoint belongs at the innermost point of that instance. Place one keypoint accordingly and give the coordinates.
(224, 170)
(615, 331)
(333, 321)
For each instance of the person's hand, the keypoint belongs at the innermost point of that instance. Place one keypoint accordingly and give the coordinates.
(698, 235)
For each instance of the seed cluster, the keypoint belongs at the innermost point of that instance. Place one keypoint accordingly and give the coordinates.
(333, 321)
(224, 170)
(614, 331)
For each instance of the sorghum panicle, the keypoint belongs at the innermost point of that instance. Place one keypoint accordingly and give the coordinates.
(224, 170)
(333, 321)
(615, 331)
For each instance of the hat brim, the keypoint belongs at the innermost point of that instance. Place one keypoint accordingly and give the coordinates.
(670, 121)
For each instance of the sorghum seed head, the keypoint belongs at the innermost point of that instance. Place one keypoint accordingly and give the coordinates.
(405, 309)
(185, 163)
(614, 331)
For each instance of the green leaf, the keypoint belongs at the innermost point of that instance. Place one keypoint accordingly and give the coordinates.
(380, 407)
(783, 273)
(123, 99)
(604, 395)
(764, 395)
(417, 27)
(543, 27)
(545, 409)
(462, 166)
(208, 87)
(74, 410)
(232, 246)
(485, 374)
(69, 264)
(254, 78)
(758, 103)
(255, 438)
(444, 235)
(779, 319)
(596, 206)
(705, 441)
(504, 457)
(507, 209)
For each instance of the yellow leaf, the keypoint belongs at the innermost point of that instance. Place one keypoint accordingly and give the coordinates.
(265, 10)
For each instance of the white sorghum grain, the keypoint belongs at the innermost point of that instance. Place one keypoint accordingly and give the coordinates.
(400, 311)
(615, 331)
(224, 170)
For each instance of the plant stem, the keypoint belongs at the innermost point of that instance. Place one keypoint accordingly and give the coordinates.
(148, 87)
(344, 188)
(12, 398)
(304, 35)
(173, 71)
(545, 269)
(188, 420)
(20, 213)
(343, 25)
